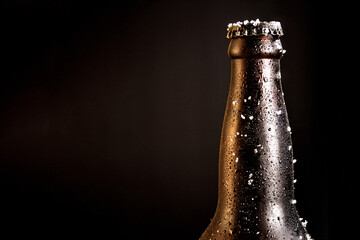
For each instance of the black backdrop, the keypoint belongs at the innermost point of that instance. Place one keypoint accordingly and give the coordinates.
(111, 115)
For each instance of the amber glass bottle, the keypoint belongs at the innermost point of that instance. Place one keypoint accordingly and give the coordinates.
(256, 174)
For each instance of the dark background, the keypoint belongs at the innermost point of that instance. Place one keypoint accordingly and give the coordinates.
(111, 115)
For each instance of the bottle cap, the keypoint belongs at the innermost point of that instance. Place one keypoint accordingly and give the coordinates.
(254, 28)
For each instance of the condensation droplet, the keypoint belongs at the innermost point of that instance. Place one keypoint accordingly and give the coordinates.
(250, 181)
(304, 223)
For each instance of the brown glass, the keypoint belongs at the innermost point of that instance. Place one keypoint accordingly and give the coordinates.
(256, 177)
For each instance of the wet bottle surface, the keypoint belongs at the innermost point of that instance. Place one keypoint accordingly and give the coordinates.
(256, 173)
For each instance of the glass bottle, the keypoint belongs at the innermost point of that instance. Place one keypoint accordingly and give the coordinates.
(256, 173)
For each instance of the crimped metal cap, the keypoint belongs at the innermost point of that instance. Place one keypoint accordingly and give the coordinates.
(254, 28)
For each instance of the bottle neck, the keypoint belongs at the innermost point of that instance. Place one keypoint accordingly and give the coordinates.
(256, 160)
(256, 148)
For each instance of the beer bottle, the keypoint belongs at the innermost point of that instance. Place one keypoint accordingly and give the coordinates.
(256, 173)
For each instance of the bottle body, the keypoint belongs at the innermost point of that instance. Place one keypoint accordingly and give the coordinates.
(256, 182)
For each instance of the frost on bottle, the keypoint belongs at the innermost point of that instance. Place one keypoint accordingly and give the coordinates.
(256, 172)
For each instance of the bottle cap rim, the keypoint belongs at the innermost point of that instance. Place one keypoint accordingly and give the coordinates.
(254, 28)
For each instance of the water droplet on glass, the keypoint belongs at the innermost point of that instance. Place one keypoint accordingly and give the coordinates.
(304, 223)
(250, 181)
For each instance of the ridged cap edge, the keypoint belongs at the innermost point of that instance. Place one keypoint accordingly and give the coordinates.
(254, 28)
